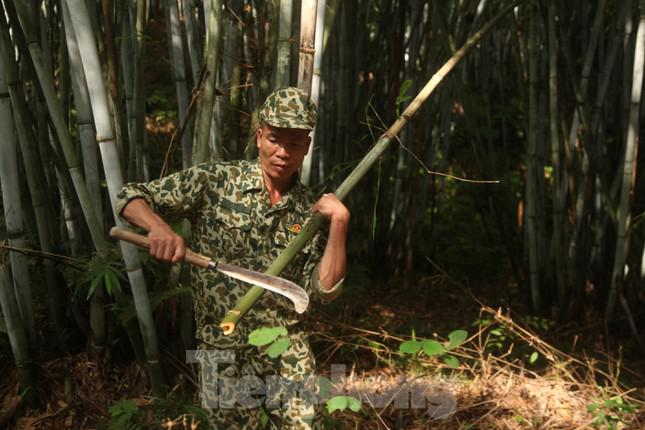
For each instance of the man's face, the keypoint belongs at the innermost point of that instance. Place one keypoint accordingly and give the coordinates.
(282, 150)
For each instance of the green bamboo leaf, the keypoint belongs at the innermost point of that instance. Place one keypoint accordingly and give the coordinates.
(324, 386)
(410, 347)
(265, 335)
(533, 358)
(354, 403)
(93, 285)
(337, 403)
(451, 361)
(432, 348)
(108, 282)
(278, 347)
(456, 338)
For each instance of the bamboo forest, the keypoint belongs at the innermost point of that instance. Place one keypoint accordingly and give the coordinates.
(487, 151)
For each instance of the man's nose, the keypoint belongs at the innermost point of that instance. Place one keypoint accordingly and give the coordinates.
(282, 151)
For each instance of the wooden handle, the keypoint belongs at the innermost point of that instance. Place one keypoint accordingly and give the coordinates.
(142, 241)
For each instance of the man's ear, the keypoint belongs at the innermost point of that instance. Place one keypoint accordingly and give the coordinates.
(258, 137)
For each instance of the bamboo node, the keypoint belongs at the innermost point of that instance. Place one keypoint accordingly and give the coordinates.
(306, 50)
(100, 139)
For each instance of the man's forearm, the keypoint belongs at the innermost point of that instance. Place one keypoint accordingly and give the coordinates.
(165, 244)
(139, 213)
(331, 269)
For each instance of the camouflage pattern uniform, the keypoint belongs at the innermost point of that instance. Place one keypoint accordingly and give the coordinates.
(233, 221)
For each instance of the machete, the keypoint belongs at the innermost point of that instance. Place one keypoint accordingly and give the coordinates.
(276, 284)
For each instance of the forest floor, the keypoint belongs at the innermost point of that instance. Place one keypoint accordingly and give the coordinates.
(508, 374)
(513, 371)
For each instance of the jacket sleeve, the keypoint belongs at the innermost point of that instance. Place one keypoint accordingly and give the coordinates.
(173, 196)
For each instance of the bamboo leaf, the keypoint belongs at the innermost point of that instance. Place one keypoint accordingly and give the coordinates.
(451, 361)
(456, 338)
(278, 347)
(432, 348)
(533, 358)
(265, 335)
(410, 347)
(354, 403)
(93, 285)
(337, 403)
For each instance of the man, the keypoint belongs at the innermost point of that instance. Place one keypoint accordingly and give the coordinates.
(245, 213)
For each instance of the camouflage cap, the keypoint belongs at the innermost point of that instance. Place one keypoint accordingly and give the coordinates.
(289, 108)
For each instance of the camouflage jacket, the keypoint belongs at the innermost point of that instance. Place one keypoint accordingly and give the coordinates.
(233, 221)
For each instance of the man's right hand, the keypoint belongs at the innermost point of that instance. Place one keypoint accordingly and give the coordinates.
(165, 244)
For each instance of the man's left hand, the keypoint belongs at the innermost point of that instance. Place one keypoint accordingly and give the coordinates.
(332, 208)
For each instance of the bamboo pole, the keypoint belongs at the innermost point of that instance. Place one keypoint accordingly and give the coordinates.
(283, 65)
(47, 86)
(559, 179)
(112, 169)
(207, 100)
(137, 132)
(13, 212)
(532, 171)
(305, 171)
(35, 179)
(307, 40)
(233, 316)
(623, 217)
(179, 75)
(17, 336)
(194, 53)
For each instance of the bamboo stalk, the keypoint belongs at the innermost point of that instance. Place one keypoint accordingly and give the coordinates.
(207, 100)
(17, 337)
(194, 53)
(532, 171)
(233, 316)
(305, 171)
(559, 180)
(623, 217)
(283, 65)
(179, 75)
(47, 86)
(13, 212)
(307, 42)
(113, 175)
(137, 133)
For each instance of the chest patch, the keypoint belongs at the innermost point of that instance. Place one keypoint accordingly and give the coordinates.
(294, 228)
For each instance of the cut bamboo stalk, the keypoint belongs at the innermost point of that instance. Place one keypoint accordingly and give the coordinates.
(245, 303)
